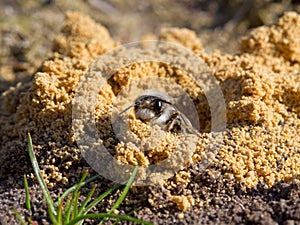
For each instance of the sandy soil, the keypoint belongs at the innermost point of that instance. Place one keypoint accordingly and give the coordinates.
(255, 176)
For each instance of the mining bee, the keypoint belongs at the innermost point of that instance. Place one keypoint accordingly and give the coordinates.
(155, 107)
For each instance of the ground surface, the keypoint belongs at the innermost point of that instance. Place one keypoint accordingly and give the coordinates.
(27, 31)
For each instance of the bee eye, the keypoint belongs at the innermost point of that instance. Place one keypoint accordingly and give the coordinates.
(157, 105)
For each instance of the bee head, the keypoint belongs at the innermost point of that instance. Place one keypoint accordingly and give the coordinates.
(148, 106)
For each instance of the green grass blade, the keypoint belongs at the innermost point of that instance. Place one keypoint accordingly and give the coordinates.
(128, 214)
(58, 199)
(74, 201)
(86, 200)
(75, 206)
(39, 177)
(67, 211)
(52, 217)
(124, 192)
(100, 198)
(27, 195)
(30, 221)
(60, 213)
(71, 189)
(19, 218)
(79, 184)
(107, 215)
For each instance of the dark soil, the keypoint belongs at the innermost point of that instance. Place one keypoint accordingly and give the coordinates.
(27, 29)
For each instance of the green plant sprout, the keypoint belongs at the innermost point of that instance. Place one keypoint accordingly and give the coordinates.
(27, 202)
(67, 210)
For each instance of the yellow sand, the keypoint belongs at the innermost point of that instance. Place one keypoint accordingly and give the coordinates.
(261, 86)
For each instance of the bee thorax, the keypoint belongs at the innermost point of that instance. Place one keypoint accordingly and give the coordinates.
(164, 116)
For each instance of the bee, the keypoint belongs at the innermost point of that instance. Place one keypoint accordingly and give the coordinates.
(156, 108)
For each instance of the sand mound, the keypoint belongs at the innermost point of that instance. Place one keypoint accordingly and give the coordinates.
(260, 86)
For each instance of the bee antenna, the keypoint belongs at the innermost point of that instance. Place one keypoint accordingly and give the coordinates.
(129, 107)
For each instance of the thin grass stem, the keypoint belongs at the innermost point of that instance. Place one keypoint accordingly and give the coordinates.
(100, 198)
(39, 177)
(124, 192)
(86, 200)
(71, 189)
(27, 195)
(19, 218)
(108, 215)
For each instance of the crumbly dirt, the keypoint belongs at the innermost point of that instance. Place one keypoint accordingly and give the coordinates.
(253, 179)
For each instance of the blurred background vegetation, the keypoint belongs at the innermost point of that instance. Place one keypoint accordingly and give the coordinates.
(27, 27)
